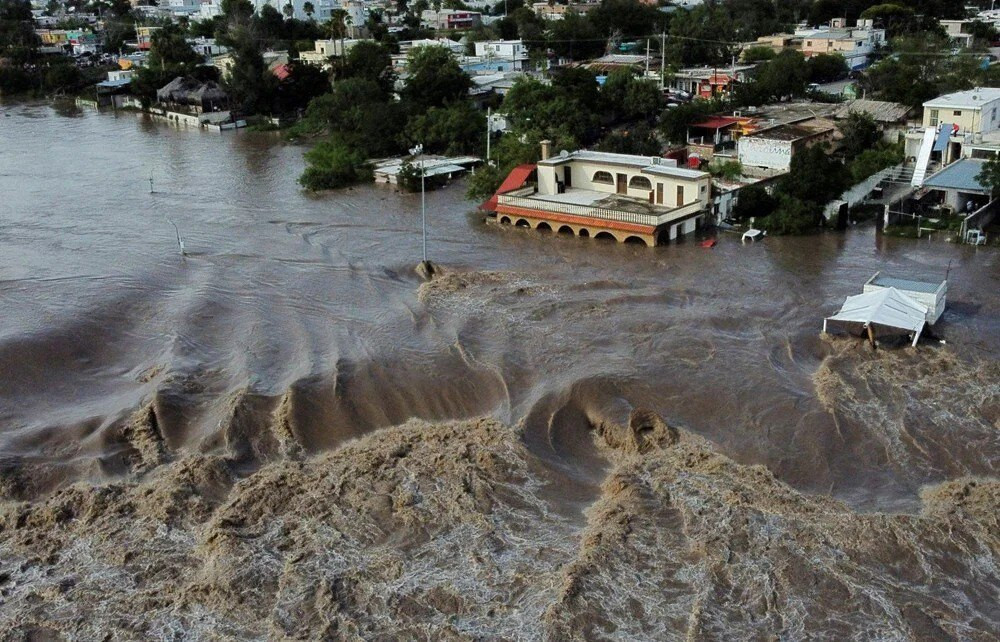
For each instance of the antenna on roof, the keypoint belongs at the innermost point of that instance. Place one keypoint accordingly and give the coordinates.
(948, 271)
(151, 182)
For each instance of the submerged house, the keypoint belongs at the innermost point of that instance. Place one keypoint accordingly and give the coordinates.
(596, 194)
(187, 94)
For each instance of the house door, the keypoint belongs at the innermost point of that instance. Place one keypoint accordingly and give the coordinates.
(659, 193)
(680, 195)
(568, 176)
(622, 184)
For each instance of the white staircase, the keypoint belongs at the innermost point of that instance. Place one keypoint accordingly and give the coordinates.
(924, 157)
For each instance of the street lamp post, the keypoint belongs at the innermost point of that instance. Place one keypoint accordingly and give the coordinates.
(416, 151)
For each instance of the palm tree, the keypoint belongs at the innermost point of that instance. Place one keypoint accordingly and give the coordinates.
(339, 20)
(309, 9)
(288, 10)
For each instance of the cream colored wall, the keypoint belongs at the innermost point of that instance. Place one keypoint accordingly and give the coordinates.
(971, 120)
(583, 174)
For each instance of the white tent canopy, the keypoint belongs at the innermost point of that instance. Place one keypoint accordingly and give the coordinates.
(887, 307)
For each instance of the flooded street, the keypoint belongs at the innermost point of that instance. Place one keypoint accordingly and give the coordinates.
(296, 324)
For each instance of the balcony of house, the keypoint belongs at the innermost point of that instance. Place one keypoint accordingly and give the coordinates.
(589, 213)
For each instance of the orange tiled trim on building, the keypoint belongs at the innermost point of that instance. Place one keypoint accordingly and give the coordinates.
(575, 220)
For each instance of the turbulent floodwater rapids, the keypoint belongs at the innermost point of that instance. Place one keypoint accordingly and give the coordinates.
(288, 434)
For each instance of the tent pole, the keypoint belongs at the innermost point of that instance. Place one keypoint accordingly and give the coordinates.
(871, 336)
(916, 337)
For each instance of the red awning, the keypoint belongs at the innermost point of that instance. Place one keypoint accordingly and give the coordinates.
(717, 122)
(517, 178)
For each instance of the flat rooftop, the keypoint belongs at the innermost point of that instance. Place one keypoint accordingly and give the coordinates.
(970, 99)
(795, 131)
(591, 198)
(927, 287)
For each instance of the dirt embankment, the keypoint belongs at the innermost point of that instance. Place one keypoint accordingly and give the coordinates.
(442, 531)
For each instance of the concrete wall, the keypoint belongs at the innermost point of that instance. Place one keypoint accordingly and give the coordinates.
(762, 152)
(583, 175)
(984, 119)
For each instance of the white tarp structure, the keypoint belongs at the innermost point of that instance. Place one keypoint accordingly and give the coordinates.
(886, 307)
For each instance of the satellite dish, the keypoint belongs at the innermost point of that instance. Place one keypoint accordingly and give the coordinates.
(564, 154)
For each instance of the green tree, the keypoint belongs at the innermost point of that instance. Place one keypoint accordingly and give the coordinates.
(359, 114)
(814, 176)
(458, 128)
(630, 18)
(758, 53)
(434, 78)
(551, 111)
(827, 68)
(989, 175)
(333, 164)
(860, 133)
(753, 201)
(627, 98)
(639, 139)
(874, 160)
(169, 48)
(250, 84)
(702, 36)
(785, 76)
(483, 183)
(18, 42)
(575, 37)
(791, 216)
(288, 10)
(894, 18)
(370, 61)
(62, 77)
(303, 83)
(309, 9)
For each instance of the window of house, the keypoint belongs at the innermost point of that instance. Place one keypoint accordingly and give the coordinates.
(957, 112)
(604, 177)
(809, 43)
(640, 182)
(934, 118)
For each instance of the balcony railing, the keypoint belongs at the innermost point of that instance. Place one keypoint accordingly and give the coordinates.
(515, 199)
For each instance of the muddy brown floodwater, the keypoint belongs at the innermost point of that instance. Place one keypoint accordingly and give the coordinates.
(287, 434)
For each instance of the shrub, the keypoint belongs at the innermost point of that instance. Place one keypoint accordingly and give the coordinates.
(332, 164)
(792, 216)
(484, 183)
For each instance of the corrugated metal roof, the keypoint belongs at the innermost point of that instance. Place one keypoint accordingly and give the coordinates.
(880, 110)
(960, 175)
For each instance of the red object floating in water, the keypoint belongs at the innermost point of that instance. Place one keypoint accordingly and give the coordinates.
(708, 243)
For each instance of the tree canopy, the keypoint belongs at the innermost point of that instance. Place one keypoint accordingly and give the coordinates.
(434, 78)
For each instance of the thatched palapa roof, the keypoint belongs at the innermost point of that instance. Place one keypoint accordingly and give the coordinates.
(186, 90)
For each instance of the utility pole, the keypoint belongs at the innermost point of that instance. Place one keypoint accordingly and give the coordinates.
(647, 57)
(663, 57)
(416, 151)
(489, 132)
